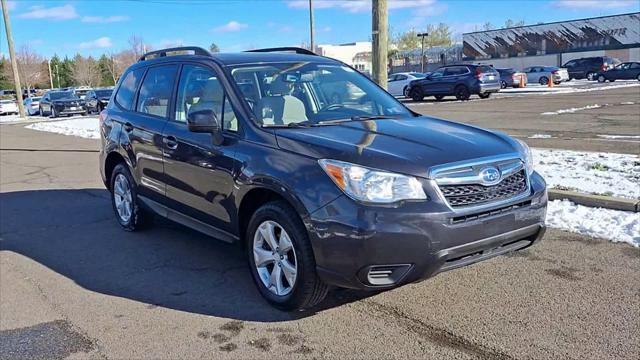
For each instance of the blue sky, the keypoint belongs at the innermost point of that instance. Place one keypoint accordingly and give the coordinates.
(93, 27)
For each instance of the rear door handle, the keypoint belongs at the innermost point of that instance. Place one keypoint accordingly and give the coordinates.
(171, 142)
(128, 127)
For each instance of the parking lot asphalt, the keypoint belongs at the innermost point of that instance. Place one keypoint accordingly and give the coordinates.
(71, 276)
(520, 115)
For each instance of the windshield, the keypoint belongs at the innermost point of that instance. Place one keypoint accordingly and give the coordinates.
(311, 93)
(61, 95)
(103, 93)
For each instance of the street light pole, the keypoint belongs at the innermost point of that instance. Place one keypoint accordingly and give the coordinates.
(422, 36)
(50, 74)
(312, 42)
(58, 76)
(14, 61)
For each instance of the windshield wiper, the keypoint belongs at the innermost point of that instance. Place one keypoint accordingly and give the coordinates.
(303, 124)
(357, 118)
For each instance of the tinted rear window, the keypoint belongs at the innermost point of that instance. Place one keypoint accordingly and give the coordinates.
(127, 90)
(486, 69)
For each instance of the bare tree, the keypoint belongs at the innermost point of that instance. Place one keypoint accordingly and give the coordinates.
(32, 68)
(85, 71)
(119, 62)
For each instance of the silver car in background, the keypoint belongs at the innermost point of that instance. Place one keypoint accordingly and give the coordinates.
(542, 74)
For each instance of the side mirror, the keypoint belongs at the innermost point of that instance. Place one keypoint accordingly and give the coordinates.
(205, 121)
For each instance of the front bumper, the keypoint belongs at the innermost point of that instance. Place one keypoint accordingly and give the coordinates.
(356, 245)
(70, 110)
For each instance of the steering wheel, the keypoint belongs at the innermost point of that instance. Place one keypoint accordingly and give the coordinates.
(332, 107)
(251, 102)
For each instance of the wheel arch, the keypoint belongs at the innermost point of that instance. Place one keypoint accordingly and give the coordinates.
(111, 161)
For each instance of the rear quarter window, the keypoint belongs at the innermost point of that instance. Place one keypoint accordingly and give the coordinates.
(125, 97)
(486, 69)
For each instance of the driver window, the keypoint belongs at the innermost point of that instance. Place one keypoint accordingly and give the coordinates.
(438, 73)
(200, 89)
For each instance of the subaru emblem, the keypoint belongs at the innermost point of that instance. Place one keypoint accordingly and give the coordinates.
(490, 176)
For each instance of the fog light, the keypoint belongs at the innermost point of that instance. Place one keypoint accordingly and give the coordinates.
(384, 275)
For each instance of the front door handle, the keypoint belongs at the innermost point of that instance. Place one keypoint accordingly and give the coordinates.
(171, 142)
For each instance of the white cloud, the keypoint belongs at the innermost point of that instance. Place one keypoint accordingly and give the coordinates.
(231, 26)
(12, 5)
(357, 6)
(102, 42)
(65, 12)
(594, 4)
(104, 20)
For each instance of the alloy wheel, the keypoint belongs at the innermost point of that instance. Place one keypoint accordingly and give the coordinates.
(275, 258)
(123, 198)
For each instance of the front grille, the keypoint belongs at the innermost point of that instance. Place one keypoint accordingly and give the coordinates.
(475, 194)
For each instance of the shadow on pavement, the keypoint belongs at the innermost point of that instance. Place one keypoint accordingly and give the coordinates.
(74, 233)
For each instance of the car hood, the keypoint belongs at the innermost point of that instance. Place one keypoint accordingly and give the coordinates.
(408, 146)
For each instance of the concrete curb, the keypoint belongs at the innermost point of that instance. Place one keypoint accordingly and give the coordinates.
(606, 202)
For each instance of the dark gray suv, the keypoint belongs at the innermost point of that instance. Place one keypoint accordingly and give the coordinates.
(361, 193)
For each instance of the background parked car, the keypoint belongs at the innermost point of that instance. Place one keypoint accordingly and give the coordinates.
(97, 99)
(8, 107)
(623, 71)
(587, 68)
(81, 92)
(510, 77)
(56, 103)
(31, 105)
(459, 80)
(542, 74)
(399, 82)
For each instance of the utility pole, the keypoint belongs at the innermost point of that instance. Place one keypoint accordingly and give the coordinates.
(14, 61)
(313, 46)
(50, 74)
(380, 34)
(422, 36)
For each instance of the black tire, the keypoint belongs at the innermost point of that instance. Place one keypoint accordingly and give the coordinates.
(140, 218)
(638, 77)
(484, 95)
(416, 94)
(40, 112)
(462, 92)
(503, 84)
(308, 290)
(543, 80)
(405, 91)
(601, 78)
(439, 97)
(53, 112)
(590, 76)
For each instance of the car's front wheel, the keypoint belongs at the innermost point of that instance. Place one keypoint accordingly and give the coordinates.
(484, 95)
(124, 198)
(41, 113)
(281, 258)
(543, 80)
(591, 76)
(601, 78)
(53, 112)
(416, 94)
(503, 84)
(405, 91)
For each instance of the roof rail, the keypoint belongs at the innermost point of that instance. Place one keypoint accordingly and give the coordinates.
(160, 53)
(297, 50)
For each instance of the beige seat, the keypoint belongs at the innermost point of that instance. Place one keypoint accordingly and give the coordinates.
(211, 98)
(280, 107)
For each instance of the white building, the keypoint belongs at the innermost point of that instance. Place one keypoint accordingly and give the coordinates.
(347, 54)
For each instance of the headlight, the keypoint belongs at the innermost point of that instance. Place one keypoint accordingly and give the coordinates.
(526, 156)
(369, 185)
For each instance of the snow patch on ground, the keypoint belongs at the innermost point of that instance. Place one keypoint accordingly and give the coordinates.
(571, 110)
(566, 88)
(10, 119)
(620, 136)
(590, 172)
(613, 225)
(627, 103)
(540, 136)
(86, 127)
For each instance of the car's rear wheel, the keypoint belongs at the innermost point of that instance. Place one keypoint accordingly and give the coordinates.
(439, 97)
(462, 92)
(591, 76)
(543, 80)
(416, 94)
(40, 112)
(124, 198)
(601, 78)
(484, 95)
(638, 77)
(503, 84)
(281, 258)
(405, 91)
(53, 112)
